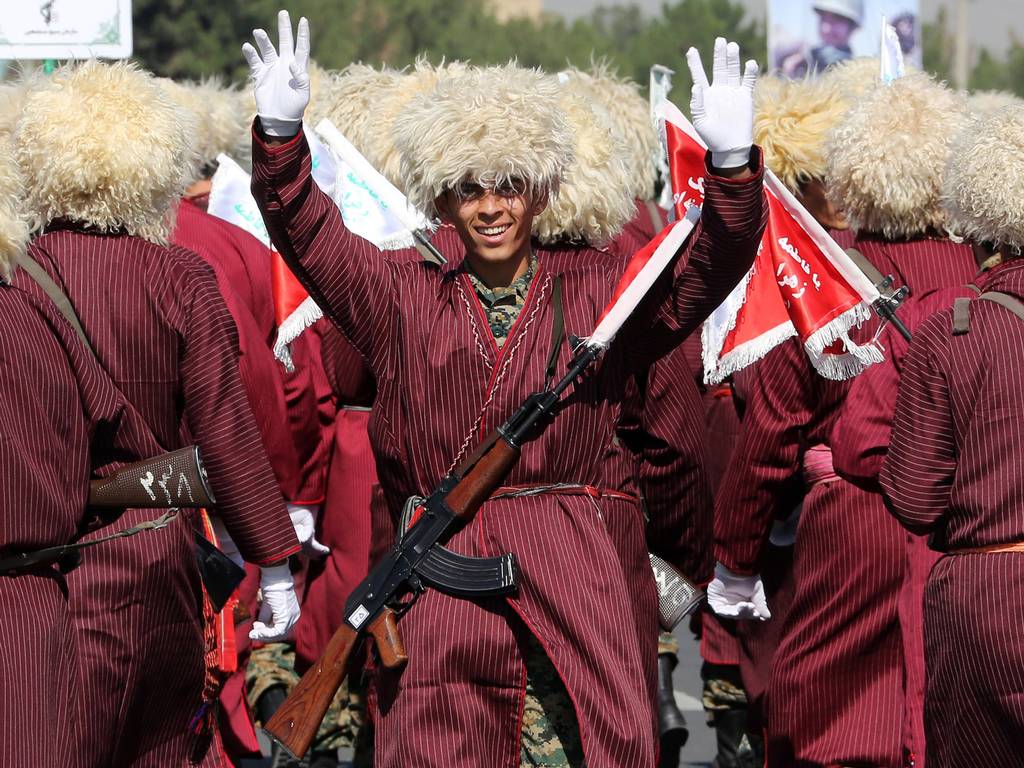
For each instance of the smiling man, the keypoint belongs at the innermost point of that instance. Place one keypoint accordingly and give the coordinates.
(565, 670)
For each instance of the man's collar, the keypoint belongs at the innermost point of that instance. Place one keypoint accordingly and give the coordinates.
(519, 286)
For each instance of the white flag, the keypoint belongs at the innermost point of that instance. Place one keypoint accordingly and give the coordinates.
(891, 54)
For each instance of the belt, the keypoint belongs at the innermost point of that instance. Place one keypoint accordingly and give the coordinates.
(561, 489)
(1016, 546)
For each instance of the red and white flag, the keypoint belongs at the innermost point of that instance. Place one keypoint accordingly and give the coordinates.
(801, 284)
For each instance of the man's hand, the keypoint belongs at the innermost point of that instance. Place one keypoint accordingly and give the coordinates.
(280, 78)
(279, 607)
(723, 111)
(737, 597)
(304, 522)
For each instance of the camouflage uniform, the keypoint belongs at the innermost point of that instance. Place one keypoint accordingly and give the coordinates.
(273, 664)
(502, 305)
(550, 736)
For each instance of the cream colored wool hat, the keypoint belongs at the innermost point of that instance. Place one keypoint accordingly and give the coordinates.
(14, 227)
(594, 201)
(351, 103)
(489, 124)
(221, 126)
(852, 78)
(103, 144)
(983, 188)
(886, 157)
(792, 118)
(985, 103)
(621, 101)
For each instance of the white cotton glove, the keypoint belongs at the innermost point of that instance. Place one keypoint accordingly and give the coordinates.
(304, 522)
(723, 112)
(225, 543)
(737, 597)
(280, 78)
(279, 607)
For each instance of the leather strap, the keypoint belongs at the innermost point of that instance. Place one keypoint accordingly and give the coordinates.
(557, 330)
(1006, 301)
(57, 296)
(961, 316)
(1017, 546)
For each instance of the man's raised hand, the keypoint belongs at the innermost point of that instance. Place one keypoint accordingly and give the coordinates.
(280, 77)
(723, 110)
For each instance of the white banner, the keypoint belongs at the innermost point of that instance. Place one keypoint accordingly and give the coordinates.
(66, 29)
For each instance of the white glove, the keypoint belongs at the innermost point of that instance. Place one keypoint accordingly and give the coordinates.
(723, 113)
(304, 522)
(225, 543)
(279, 607)
(280, 78)
(737, 597)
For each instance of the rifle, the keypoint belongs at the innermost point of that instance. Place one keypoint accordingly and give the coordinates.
(418, 560)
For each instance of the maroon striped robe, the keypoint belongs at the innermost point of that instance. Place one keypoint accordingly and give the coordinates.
(836, 693)
(60, 418)
(241, 264)
(955, 470)
(163, 334)
(442, 384)
(345, 514)
(860, 442)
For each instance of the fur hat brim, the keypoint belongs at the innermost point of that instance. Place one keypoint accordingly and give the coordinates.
(620, 102)
(887, 155)
(14, 226)
(103, 144)
(983, 189)
(489, 124)
(594, 200)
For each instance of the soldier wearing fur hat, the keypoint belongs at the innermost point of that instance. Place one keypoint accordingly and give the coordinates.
(487, 149)
(954, 466)
(105, 155)
(61, 419)
(783, 462)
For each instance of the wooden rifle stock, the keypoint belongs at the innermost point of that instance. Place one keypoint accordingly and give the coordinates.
(294, 725)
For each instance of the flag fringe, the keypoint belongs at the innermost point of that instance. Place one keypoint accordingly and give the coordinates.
(305, 315)
(857, 356)
(748, 353)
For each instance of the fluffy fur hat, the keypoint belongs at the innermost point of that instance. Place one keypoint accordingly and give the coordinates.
(489, 124)
(103, 144)
(791, 121)
(595, 199)
(221, 126)
(887, 155)
(621, 101)
(351, 102)
(984, 103)
(853, 77)
(13, 223)
(983, 189)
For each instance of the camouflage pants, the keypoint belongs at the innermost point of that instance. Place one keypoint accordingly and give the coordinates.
(274, 664)
(550, 736)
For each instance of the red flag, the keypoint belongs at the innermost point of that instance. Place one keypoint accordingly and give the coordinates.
(288, 291)
(802, 283)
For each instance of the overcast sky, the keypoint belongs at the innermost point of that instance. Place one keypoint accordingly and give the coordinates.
(991, 21)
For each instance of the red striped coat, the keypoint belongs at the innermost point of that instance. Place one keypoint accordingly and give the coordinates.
(60, 418)
(162, 333)
(836, 692)
(955, 470)
(441, 384)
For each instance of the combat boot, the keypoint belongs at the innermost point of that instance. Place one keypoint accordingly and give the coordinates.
(671, 723)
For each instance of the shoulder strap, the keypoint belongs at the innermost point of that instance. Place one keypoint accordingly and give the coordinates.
(1006, 301)
(557, 330)
(961, 316)
(865, 266)
(57, 296)
(655, 213)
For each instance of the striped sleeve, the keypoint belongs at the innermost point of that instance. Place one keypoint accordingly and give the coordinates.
(917, 476)
(347, 276)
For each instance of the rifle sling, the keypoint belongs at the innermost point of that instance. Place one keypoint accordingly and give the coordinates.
(61, 554)
(557, 330)
(57, 296)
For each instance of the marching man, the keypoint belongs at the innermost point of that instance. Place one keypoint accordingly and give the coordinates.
(486, 151)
